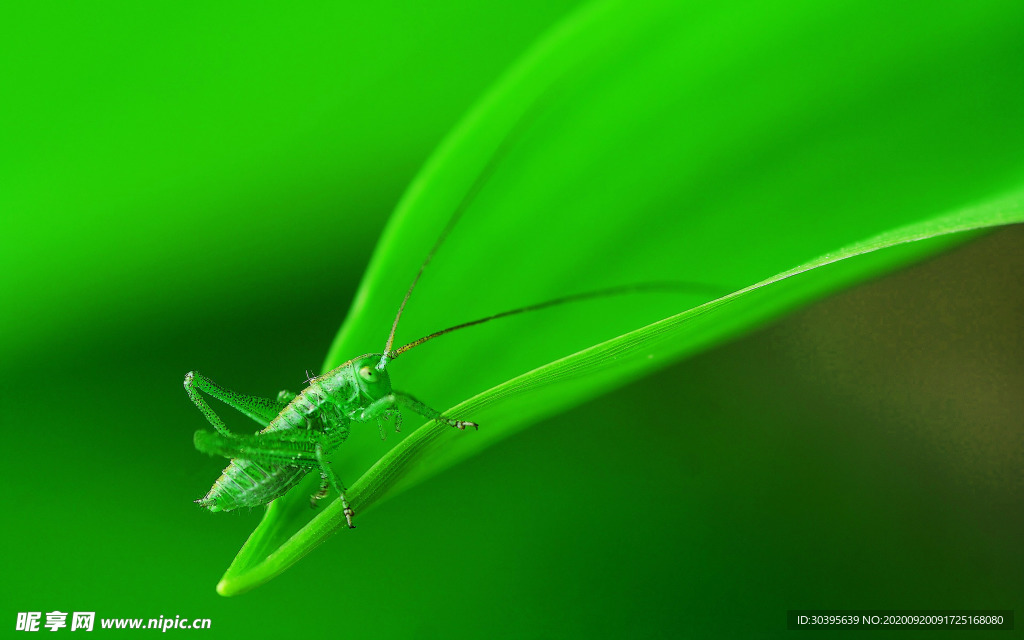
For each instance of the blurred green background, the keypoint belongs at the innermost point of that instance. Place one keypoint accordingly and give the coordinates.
(187, 187)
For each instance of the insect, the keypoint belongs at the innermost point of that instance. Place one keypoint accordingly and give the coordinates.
(301, 430)
(308, 427)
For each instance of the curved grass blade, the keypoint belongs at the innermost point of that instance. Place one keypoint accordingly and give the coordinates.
(571, 380)
(704, 177)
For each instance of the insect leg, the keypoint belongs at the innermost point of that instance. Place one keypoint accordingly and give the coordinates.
(326, 472)
(322, 493)
(216, 444)
(262, 410)
(412, 403)
(376, 409)
(291, 448)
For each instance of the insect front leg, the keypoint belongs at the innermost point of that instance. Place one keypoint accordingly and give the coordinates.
(388, 416)
(381, 409)
(415, 405)
(398, 421)
(389, 403)
(327, 475)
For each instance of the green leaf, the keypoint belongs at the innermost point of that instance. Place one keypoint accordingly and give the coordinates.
(651, 142)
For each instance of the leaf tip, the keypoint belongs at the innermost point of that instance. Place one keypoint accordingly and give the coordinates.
(227, 587)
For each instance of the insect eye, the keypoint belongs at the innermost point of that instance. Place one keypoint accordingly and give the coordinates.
(368, 374)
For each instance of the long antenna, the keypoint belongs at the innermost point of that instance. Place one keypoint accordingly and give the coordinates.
(646, 287)
(437, 244)
(478, 184)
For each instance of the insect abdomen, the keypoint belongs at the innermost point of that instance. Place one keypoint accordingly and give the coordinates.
(245, 483)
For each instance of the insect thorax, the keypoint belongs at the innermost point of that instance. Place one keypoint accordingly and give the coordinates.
(331, 398)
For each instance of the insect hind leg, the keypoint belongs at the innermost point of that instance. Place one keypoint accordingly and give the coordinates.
(262, 410)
